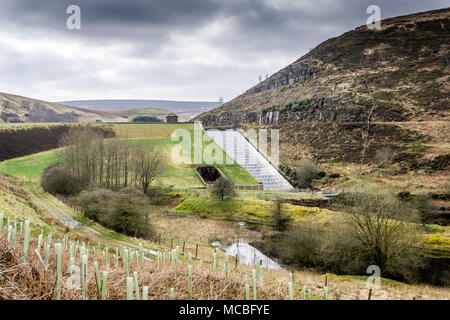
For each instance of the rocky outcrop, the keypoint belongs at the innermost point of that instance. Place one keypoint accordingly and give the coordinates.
(296, 73)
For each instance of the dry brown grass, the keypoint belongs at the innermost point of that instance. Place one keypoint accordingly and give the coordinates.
(28, 281)
(341, 288)
(196, 229)
(20, 281)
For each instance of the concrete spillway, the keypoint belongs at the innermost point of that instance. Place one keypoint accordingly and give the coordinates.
(247, 155)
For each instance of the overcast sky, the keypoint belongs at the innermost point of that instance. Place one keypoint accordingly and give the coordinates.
(167, 49)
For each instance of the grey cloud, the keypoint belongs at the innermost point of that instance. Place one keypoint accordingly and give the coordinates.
(250, 33)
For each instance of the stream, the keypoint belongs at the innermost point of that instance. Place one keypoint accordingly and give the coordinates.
(247, 254)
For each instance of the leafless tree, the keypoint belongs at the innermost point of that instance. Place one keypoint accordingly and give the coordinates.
(108, 163)
(380, 227)
(147, 162)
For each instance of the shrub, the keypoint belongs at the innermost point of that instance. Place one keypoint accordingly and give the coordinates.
(306, 172)
(222, 188)
(129, 213)
(385, 157)
(423, 208)
(95, 204)
(302, 245)
(125, 211)
(374, 229)
(58, 180)
(146, 119)
(379, 230)
(280, 220)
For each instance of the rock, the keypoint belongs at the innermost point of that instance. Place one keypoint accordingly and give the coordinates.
(404, 195)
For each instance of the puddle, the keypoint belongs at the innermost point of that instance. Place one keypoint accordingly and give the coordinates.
(248, 255)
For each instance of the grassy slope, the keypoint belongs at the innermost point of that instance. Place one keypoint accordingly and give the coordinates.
(29, 166)
(249, 209)
(182, 175)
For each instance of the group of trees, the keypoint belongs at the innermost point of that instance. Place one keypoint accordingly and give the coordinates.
(147, 119)
(374, 228)
(109, 163)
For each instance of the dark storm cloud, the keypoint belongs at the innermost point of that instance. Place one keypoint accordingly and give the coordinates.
(186, 49)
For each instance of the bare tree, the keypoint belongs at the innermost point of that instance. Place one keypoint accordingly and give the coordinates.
(380, 229)
(222, 188)
(148, 163)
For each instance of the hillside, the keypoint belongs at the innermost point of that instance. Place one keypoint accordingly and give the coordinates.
(17, 109)
(398, 77)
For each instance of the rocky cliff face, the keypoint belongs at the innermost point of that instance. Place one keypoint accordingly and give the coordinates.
(295, 73)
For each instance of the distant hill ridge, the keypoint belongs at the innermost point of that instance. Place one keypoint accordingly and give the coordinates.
(187, 109)
(18, 109)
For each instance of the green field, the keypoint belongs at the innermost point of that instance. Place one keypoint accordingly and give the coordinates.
(29, 166)
(158, 135)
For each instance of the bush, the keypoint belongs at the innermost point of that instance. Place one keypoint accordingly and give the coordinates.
(379, 231)
(129, 214)
(125, 211)
(423, 208)
(374, 229)
(222, 188)
(58, 180)
(306, 172)
(302, 245)
(281, 220)
(146, 119)
(95, 204)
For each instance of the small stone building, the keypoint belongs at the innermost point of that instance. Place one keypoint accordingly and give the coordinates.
(173, 118)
